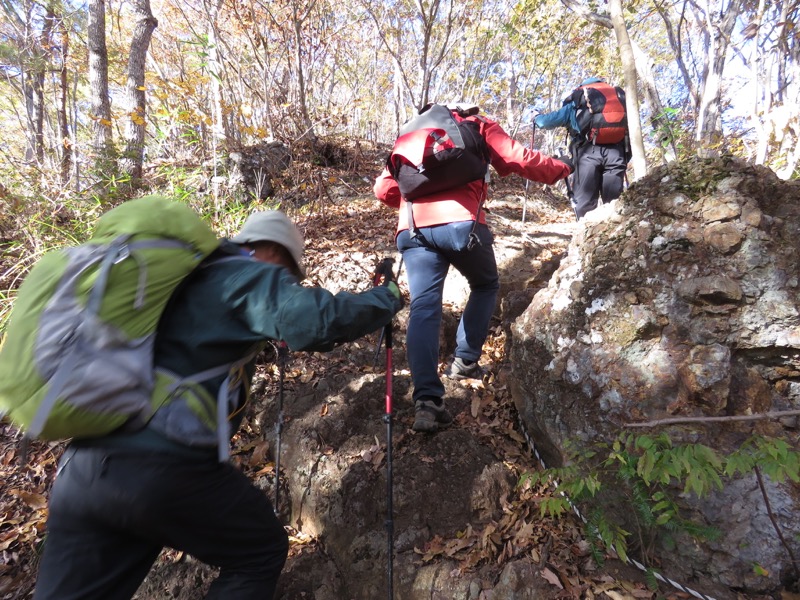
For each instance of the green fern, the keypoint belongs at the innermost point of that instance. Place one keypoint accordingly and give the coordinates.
(650, 471)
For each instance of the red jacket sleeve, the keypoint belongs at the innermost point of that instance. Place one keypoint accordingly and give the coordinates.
(509, 156)
(386, 189)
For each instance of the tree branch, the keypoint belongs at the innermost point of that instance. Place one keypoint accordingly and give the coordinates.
(757, 417)
(593, 17)
(772, 518)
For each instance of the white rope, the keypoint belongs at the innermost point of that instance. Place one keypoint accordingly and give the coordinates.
(629, 560)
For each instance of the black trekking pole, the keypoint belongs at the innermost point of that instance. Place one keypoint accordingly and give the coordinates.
(283, 352)
(571, 197)
(383, 331)
(570, 194)
(384, 274)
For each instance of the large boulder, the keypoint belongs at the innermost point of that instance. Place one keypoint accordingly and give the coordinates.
(679, 300)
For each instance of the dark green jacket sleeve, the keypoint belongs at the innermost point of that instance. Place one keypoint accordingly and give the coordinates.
(273, 305)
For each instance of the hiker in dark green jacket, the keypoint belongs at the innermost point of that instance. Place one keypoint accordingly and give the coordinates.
(118, 500)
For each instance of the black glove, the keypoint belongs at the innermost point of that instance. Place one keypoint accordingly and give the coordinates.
(567, 160)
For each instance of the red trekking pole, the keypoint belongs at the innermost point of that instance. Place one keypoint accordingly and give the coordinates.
(383, 331)
(384, 275)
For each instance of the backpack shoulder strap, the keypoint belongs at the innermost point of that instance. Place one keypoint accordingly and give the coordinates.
(621, 96)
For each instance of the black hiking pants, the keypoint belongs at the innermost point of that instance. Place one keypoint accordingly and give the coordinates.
(599, 173)
(113, 510)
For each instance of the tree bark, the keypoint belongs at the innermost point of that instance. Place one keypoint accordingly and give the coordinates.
(674, 38)
(219, 130)
(34, 104)
(708, 132)
(631, 89)
(62, 49)
(135, 97)
(100, 112)
(33, 75)
(297, 22)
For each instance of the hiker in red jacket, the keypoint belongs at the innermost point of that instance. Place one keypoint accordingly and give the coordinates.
(444, 222)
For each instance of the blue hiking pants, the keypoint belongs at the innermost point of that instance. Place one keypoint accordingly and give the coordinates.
(428, 257)
(112, 511)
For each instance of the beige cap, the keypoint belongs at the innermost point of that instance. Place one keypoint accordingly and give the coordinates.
(273, 226)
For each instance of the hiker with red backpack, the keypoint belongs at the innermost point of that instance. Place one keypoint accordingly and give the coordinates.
(436, 177)
(157, 480)
(594, 115)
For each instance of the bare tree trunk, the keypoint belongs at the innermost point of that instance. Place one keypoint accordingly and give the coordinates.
(100, 112)
(64, 140)
(675, 43)
(659, 120)
(760, 109)
(433, 30)
(297, 22)
(34, 104)
(219, 129)
(399, 79)
(708, 132)
(631, 90)
(135, 98)
(33, 85)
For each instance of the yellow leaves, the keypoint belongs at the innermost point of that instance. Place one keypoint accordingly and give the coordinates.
(137, 116)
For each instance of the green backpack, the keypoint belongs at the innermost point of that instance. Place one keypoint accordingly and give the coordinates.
(77, 356)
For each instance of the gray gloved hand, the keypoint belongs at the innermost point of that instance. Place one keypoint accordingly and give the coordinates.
(567, 160)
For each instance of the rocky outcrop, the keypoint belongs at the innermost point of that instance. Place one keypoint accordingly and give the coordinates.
(253, 168)
(679, 300)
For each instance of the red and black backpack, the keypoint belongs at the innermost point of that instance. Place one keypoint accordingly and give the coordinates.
(601, 112)
(438, 150)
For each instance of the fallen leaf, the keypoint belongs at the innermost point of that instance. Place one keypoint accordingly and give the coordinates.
(33, 500)
(552, 578)
(617, 596)
(259, 454)
(270, 468)
(476, 406)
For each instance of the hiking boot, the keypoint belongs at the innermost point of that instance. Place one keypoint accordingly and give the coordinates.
(461, 369)
(430, 416)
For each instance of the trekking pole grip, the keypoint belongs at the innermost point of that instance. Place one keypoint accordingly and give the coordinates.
(384, 272)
